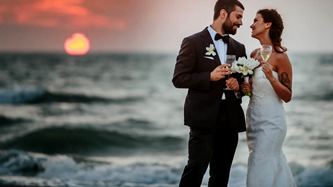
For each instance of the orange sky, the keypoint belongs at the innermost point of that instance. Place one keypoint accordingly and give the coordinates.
(45, 24)
(64, 13)
(148, 25)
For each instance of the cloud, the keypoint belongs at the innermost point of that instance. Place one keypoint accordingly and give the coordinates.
(3, 10)
(51, 13)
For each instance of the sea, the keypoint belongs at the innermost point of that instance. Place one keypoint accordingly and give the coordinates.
(116, 120)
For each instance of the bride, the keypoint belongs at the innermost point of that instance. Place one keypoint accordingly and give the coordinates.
(266, 124)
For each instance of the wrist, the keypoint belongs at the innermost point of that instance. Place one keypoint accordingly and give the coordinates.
(273, 80)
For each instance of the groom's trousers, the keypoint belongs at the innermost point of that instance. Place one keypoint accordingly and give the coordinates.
(210, 146)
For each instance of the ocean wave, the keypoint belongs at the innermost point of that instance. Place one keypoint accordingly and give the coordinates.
(92, 141)
(23, 168)
(7, 121)
(64, 170)
(40, 96)
(318, 96)
(327, 96)
(20, 163)
(33, 182)
(20, 96)
(134, 124)
(312, 176)
(326, 59)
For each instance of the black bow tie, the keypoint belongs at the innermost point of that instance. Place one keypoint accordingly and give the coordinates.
(225, 38)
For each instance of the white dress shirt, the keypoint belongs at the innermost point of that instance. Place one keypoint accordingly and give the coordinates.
(221, 48)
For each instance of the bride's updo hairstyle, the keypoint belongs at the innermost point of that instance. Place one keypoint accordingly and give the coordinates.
(275, 32)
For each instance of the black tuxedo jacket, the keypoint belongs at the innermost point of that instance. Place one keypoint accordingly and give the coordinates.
(192, 71)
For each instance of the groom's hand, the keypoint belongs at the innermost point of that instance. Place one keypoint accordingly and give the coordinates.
(232, 83)
(220, 72)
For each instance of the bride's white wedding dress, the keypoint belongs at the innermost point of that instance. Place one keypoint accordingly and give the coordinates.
(266, 131)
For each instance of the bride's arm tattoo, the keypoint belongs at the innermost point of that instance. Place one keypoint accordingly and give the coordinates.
(285, 80)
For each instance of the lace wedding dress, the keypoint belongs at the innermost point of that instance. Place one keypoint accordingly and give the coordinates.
(266, 131)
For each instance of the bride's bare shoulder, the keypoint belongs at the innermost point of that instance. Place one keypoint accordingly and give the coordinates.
(283, 55)
(254, 53)
(282, 58)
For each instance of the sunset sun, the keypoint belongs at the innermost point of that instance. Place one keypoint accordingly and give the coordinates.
(78, 44)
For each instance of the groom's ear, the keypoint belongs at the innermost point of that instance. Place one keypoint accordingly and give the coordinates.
(223, 14)
(268, 25)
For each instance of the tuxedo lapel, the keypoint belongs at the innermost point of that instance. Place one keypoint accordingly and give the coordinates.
(207, 40)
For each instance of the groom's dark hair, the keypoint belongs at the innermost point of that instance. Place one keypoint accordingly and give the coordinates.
(227, 5)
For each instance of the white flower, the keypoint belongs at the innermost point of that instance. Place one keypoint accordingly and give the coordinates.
(210, 50)
(236, 68)
(251, 63)
(246, 70)
(244, 66)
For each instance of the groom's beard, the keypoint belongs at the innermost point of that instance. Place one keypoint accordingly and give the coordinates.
(227, 27)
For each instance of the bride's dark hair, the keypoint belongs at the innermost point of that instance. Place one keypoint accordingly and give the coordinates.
(271, 15)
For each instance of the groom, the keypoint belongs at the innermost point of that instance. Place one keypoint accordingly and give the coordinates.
(213, 114)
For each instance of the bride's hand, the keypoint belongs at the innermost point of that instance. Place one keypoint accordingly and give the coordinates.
(267, 69)
(246, 87)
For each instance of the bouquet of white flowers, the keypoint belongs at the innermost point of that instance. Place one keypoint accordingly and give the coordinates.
(245, 67)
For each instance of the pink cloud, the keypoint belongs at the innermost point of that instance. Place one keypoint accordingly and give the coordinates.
(66, 7)
(3, 9)
(63, 13)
